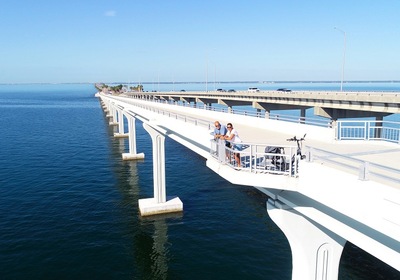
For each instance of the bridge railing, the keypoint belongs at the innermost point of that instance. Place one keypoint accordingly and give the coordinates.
(257, 158)
(364, 169)
(246, 112)
(260, 114)
(368, 130)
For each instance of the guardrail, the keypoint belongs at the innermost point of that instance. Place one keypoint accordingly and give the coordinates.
(368, 130)
(257, 158)
(364, 169)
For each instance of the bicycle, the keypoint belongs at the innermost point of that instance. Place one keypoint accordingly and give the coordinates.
(298, 155)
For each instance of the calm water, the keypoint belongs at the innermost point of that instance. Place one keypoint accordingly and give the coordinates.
(68, 203)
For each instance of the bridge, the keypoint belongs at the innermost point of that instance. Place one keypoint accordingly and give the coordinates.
(329, 104)
(344, 190)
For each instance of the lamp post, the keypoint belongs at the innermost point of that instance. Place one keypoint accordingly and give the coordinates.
(344, 56)
(207, 72)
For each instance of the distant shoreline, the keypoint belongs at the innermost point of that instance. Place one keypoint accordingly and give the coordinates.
(212, 82)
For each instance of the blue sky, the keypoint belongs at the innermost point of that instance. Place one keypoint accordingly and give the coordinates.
(188, 40)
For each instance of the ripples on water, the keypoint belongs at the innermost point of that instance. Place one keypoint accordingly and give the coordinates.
(69, 207)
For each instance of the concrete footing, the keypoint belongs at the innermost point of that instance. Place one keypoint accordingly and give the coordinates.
(149, 206)
(121, 135)
(128, 156)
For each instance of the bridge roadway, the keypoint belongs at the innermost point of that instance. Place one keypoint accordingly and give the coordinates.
(329, 104)
(321, 209)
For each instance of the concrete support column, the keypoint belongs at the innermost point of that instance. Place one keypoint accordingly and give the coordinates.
(302, 115)
(158, 141)
(113, 119)
(103, 105)
(107, 109)
(121, 126)
(158, 204)
(132, 142)
(316, 251)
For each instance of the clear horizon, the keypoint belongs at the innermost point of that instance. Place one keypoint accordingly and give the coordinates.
(209, 82)
(88, 41)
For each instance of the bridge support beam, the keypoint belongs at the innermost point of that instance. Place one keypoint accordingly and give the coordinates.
(316, 251)
(159, 203)
(132, 142)
(335, 114)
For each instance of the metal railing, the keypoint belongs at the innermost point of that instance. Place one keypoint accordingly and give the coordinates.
(364, 169)
(256, 158)
(368, 130)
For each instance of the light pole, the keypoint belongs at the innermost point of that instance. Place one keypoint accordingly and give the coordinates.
(215, 76)
(207, 72)
(344, 56)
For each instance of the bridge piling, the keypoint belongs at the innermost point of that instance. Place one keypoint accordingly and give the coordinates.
(132, 142)
(316, 251)
(121, 127)
(159, 203)
(113, 116)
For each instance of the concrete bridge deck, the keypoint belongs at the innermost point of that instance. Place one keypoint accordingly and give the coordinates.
(334, 200)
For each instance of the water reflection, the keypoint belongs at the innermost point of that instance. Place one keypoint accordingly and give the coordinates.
(159, 255)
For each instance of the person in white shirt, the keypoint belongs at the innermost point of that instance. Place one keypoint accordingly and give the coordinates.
(233, 136)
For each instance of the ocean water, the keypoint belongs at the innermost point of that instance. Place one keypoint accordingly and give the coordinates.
(69, 204)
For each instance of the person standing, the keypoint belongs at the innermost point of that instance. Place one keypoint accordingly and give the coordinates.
(219, 133)
(233, 137)
(219, 130)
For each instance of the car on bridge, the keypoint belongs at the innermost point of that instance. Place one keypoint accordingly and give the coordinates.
(221, 90)
(284, 90)
(253, 89)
